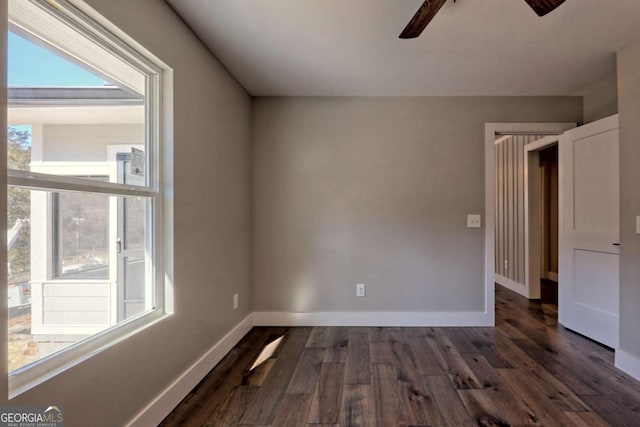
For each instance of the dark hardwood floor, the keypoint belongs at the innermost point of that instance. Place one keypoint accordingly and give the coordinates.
(528, 371)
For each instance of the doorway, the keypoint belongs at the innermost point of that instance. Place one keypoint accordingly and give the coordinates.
(549, 213)
(493, 132)
(542, 222)
(588, 165)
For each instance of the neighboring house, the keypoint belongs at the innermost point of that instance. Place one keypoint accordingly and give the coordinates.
(89, 132)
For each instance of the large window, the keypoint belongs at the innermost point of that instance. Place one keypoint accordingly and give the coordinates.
(85, 195)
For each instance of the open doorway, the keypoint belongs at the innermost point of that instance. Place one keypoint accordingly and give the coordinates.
(549, 215)
(542, 215)
(542, 224)
(505, 257)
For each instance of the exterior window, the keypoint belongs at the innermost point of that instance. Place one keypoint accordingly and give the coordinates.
(85, 205)
(80, 235)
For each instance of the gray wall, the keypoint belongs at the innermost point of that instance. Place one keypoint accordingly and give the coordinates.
(211, 146)
(601, 99)
(629, 101)
(375, 191)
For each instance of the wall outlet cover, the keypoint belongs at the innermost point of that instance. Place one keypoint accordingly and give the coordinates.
(360, 290)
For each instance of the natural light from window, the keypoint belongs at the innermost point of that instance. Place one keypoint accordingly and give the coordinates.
(84, 189)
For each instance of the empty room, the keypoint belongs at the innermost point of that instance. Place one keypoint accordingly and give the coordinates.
(321, 213)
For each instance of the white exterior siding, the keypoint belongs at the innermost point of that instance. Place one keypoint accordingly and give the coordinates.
(88, 143)
(64, 307)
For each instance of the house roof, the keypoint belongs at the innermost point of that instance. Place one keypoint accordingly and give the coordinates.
(74, 105)
(72, 96)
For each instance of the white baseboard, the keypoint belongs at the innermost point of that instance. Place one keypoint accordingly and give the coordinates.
(512, 285)
(628, 363)
(372, 318)
(168, 399)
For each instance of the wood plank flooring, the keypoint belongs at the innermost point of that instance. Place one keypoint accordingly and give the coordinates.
(527, 371)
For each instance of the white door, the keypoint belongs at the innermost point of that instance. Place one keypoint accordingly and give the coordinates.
(131, 292)
(589, 230)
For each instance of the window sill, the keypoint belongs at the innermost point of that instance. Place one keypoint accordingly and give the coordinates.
(36, 373)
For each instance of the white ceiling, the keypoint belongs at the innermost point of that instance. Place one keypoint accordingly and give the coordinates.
(472, 47)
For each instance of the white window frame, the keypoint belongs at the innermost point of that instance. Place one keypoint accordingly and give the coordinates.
(158, 132)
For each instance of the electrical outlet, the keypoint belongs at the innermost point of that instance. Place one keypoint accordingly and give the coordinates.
(360, 290)
(506, 264)
(235, 301)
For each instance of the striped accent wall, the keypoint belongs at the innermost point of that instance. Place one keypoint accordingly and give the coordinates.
(509, 226)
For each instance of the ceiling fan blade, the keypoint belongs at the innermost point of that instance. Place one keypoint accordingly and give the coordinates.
(542, 7)
(421, 19)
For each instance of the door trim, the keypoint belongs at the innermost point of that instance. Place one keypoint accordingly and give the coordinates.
(491, 130)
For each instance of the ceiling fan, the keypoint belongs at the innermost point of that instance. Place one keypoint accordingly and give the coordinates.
(429, 8)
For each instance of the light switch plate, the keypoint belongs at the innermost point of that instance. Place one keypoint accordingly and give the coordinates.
(638, 225)
(474, 221)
